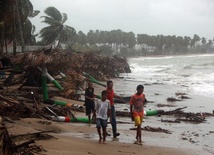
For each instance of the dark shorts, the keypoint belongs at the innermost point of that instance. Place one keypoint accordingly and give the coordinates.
(101, 123)
(89, 108)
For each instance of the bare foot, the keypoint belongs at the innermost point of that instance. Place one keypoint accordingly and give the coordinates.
(136, 142)
(140, 143)
(104, 142)
(100, 141)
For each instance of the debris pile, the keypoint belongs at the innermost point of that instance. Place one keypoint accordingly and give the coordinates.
(22, 87)
(25, 69)
(21, 144)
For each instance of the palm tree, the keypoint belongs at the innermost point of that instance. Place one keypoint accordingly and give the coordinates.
(56, 33)
(14, 18)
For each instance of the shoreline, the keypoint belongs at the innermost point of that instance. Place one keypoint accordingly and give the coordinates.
(171, 55)
(68, 144)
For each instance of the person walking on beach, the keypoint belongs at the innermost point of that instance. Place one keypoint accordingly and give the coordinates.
(110, 97)
(89, 101)
(137, 111)
(103, 110)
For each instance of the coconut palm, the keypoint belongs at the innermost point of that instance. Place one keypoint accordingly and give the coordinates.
(14, 18)
(56, 33)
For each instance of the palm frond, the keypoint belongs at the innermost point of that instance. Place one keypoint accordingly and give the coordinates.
(67, 33)
(48, 20)
(34, 13)
(64, 18)
(53, 13)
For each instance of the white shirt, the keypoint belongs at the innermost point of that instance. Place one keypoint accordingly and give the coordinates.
(101, 108)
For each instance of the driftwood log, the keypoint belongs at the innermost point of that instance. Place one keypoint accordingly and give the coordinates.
(153, 129)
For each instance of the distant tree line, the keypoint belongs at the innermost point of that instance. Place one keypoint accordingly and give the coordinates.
(16, 27)
(127, 44)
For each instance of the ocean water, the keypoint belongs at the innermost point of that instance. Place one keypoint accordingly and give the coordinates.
(193, 72)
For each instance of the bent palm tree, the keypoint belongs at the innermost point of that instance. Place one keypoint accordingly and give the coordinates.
(56, 32)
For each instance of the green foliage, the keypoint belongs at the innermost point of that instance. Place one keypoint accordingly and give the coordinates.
(56, 33)
(106, 50)
(84, 47)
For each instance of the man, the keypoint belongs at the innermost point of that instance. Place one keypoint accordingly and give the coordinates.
(110, 97)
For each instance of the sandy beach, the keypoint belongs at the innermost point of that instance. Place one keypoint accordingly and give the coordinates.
(79, 138)
(65, 144)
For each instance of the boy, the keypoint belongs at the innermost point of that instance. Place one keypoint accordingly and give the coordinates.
(137, 111)
(102, 110)
(89, 101)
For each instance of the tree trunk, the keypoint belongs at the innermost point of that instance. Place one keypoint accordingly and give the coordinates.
(20, 25)
(14, 32)
(5, 44)
(2, 40)
(2, 30)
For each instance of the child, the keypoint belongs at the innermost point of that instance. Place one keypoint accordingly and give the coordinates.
(89, 101)
(137, 111)
(102, 110)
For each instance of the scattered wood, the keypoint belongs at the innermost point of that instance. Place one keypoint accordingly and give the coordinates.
(177, 110)
(121, 122)
(172, 99)
(9, 147)
(184, 97)
(5, 141)
(25, 144)
(171, 121)
(193, 118)
(187, 116)
(180, 94)
(153, 129)
(35, 136)
(123, 113)
(165, 105)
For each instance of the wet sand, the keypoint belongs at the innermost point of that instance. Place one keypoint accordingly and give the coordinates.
(183, 135)
(79, 138)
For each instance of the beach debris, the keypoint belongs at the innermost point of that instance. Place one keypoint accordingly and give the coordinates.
(8, 146)
(23, 70)
(177, 110)
(165, 105)
(184, 97)
(146, 113)
(15, 109)
(5, 141)
(187, 116)
(192, 118)
(172, 99)
(171, 121)
(158, 129)
(42, 135)
(153, 129)
(122, 122)
(180, 94)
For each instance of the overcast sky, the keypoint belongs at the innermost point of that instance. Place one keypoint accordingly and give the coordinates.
(152, 17)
